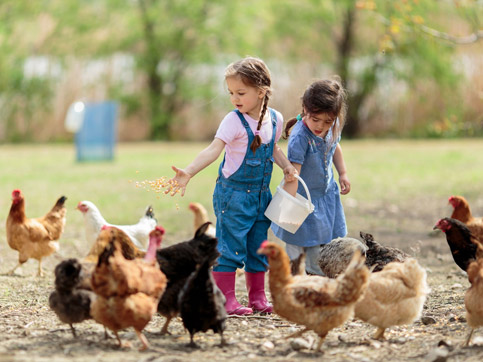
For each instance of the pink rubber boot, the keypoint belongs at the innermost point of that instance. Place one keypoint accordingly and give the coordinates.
(256, 292)
(226, 282)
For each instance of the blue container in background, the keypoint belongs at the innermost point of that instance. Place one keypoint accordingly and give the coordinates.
(96, 137)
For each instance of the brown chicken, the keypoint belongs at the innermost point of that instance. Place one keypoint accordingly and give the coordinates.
(318, 303)
(474, 295)
(462, 212)
(201, 217)
(394, 296)
(34, 238)
(128, 291)
(128, 249)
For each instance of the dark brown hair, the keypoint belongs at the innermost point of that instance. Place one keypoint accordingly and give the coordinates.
(324, 96)
(254, 73)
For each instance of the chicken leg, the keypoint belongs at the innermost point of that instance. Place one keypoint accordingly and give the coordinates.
(468, 339)
(164, 330)
(297, 334)
(40, 273)
(72, 330)
(143, 339)
(321, 340)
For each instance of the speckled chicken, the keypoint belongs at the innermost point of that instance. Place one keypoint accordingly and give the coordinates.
(335, 256)
(318, 303)
(127, 291)
(34, 237)
(177, 262)
(202, 304)
(394, 296)
(459, 239)
(71, 300)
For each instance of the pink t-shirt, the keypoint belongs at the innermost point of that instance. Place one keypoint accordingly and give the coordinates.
(233, 133)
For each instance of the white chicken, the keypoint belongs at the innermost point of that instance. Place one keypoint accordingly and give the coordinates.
(138, 233)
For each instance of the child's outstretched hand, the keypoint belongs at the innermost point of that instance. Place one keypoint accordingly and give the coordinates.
(345, 184)
(178, 183)
(289, 173)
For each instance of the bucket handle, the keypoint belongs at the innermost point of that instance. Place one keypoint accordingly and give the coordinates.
(305, 187)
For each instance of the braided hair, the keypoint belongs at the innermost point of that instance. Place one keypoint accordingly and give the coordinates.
(254, 73)
(324, 96)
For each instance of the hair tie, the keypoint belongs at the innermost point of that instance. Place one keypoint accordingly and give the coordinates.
(257, 132)
(299, 117)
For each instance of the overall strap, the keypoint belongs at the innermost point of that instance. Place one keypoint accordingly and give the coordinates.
(245, 124)
(273, 117)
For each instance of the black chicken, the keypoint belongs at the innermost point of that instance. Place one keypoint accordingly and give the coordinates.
(459, 239)
(378, 256)
(73, 296)
(178, 262)
(202, 304)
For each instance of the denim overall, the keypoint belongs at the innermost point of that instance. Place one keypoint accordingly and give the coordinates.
(239, 202)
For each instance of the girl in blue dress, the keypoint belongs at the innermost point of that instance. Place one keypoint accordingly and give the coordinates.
(312, 148)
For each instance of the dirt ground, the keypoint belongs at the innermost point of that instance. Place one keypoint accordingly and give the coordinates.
(29, 330)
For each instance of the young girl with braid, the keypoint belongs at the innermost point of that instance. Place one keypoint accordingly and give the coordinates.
(249, 136)
(313, 147)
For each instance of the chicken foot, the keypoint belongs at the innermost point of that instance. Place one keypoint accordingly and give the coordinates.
(13, 270)
(192, 343)
(223, 342)
(379, 333)
(321, 340)
(143, 339)
(121, 343)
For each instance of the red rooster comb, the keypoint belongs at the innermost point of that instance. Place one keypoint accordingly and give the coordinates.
(105, 227)
(264, 244)
(160, 229)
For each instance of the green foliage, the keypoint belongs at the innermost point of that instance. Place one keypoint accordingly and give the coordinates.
(178, 49)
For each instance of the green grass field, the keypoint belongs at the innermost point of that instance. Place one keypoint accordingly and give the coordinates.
(381, 172)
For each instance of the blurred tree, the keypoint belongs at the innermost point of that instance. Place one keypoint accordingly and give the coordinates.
(24, 93)
(371, 42)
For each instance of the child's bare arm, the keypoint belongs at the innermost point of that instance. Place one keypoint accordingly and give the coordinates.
(282, 161)
(345, 184)
(205, 158)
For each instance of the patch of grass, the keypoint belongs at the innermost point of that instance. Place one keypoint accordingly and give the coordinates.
(387, 171)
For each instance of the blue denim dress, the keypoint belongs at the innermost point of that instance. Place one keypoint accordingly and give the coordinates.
(239, 202)
(315, 154)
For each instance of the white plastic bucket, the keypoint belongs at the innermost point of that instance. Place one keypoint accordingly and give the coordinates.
(287, 211)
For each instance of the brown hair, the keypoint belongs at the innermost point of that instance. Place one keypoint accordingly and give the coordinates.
(324, 96)
(254, 73)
